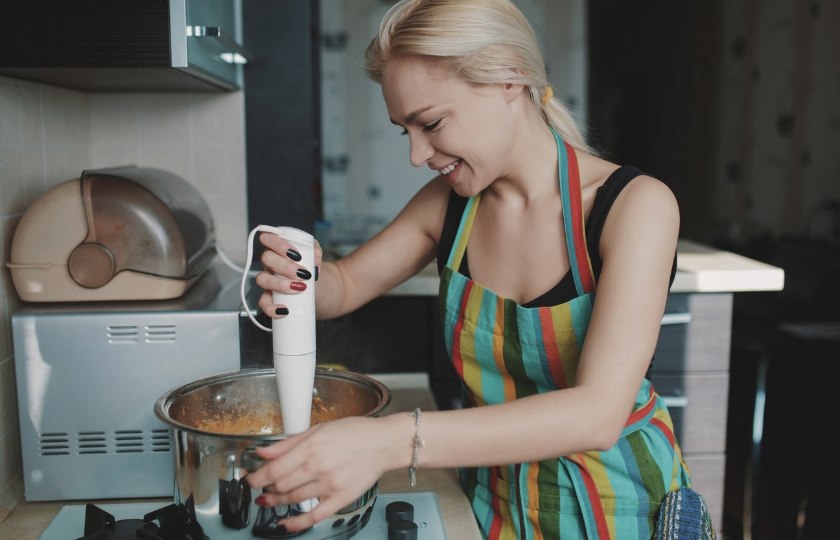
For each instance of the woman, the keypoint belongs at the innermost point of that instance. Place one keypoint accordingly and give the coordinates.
(561, 434)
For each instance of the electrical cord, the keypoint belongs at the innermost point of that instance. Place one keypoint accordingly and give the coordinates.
(232, 265)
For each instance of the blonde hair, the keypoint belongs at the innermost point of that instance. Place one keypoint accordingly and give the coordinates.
(482, 41)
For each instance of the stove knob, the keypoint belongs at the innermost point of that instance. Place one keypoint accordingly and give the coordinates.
(399, 510)
(402, 529)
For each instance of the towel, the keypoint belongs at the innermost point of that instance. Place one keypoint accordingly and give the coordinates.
(683, 516)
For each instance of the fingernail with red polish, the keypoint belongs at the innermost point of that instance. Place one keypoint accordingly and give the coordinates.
(261, 501)
(298, 286)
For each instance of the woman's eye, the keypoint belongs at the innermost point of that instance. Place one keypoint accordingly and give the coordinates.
(431, 127)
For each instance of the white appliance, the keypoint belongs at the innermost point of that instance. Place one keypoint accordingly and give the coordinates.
(124, 233)
(88, 375)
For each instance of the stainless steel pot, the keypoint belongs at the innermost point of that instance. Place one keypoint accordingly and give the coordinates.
(210, 467)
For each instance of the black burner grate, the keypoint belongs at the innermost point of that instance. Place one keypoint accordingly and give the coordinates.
(172, 522)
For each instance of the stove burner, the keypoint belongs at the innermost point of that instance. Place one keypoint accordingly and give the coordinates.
(175, 522)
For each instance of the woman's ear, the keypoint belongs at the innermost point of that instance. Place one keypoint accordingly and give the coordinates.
(511, 91)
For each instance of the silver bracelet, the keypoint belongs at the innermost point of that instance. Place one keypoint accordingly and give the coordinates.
(418, 444)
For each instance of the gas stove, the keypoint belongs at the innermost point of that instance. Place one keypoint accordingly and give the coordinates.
(168, 521)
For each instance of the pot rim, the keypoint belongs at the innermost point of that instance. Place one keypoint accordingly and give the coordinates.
(163, 403)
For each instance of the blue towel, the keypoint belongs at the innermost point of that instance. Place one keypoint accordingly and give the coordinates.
(683, 516)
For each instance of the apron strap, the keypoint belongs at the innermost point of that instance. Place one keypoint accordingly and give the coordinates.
(591, 509)
(573, 220)
(459, 246)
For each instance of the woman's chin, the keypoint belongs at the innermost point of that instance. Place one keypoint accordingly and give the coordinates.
(464, 191)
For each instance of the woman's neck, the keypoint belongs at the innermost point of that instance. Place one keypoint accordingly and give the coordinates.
(532, 174)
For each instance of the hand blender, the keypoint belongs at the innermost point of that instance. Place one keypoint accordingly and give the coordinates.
(293, 341)
(293, 337)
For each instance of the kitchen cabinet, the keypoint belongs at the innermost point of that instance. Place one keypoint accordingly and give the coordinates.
(691, 372)
(126, 45)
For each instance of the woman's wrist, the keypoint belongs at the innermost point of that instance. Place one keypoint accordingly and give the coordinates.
(417, 443)
(402, 432)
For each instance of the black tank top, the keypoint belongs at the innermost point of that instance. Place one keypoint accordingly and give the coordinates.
(565, 290)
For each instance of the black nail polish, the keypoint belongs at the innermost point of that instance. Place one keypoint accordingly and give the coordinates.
(316, 273)
(294, 255)
(303, 273)
(281, 311)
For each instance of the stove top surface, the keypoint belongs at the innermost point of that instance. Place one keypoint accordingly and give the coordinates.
(68, 524)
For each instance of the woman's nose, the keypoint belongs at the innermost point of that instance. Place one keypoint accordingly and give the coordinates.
(421, 150)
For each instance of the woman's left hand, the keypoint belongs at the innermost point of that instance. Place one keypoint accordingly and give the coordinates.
(335, 461)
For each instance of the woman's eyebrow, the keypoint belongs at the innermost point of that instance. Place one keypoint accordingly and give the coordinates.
(410, 118)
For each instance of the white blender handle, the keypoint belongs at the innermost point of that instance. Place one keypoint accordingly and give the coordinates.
(250, 256)
(301, 324)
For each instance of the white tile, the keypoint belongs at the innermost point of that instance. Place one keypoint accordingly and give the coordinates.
(9, 300)
(219, 170)
(9, 112)
(171, 157)
(10, 462)
(10, 496)
(113, 153)
(31, 124)
(114, 119)
(32, 181)
(8, 396)
(163, 118)
(66, 116)
(11, 170)
(218, 118)
(6, 344)
(33, 170)
(7, 229)
(65, 162)
(230, 220)
(5, 326)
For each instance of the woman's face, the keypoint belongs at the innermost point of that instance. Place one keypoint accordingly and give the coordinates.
(464, 132)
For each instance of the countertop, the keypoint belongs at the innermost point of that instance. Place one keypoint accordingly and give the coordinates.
(700, 268)
(29, 519)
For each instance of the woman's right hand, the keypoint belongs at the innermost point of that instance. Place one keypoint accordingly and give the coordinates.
(282, 273)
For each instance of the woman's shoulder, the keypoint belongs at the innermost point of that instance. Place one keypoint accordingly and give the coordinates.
(643, 189)
(626, 181)
(640, 201)
(427, 207)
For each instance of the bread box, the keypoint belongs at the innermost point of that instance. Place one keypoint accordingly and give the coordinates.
(125, 233)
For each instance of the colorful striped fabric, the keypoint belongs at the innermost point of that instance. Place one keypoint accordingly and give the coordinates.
(503, 351)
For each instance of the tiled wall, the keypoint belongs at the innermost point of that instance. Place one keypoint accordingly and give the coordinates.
(199, 137)
(44, 139)
(49, 135)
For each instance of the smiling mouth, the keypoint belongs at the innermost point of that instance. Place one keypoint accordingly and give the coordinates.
(449, 168)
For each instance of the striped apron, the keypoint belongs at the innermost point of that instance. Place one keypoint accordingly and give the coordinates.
(503, 351)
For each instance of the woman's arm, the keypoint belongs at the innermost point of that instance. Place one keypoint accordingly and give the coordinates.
(337, 460)
(398, 252)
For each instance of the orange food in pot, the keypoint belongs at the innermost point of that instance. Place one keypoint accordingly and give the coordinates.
(262, 420)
